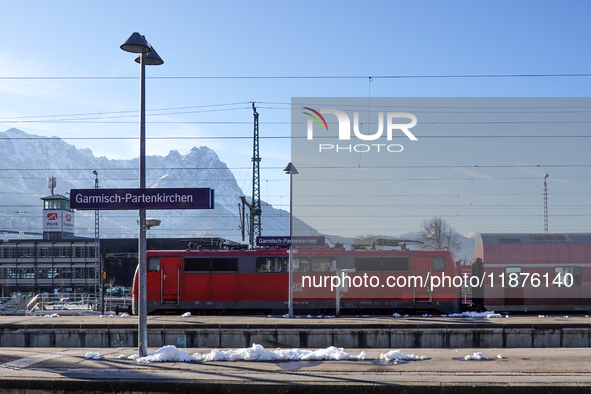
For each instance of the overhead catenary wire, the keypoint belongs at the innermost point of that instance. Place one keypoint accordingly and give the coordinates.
(349, 179)
(347, 167)
(418, 76)
(136, 112)
(288, 106)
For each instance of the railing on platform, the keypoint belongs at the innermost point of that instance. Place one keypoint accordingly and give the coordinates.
(44, 303)
(13, 305)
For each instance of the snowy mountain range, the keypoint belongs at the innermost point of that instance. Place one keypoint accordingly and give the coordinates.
(27, 161)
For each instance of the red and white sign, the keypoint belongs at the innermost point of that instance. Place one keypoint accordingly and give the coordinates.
(58, 221)
(68, 222)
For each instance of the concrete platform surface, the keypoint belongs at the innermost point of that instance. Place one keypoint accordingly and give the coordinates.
(350, 332)
(163, 321)
(64, 370)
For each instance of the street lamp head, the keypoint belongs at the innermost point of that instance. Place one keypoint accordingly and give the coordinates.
(151, 222)
(546, 176)
(94, 172)
(152, 58)
(136, 43)
(290, 169)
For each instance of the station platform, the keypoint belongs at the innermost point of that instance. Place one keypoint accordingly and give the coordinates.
(66, 370)
(349, 332)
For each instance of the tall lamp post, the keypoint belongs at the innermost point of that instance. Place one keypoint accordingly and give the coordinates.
(137, 43)
(291, 170)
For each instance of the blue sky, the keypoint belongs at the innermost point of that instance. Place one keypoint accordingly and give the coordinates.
(279, 39)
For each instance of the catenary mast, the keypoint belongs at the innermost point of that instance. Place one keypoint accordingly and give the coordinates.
(255, 206)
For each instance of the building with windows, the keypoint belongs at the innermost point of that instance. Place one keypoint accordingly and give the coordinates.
(58, 262)
(39, 266)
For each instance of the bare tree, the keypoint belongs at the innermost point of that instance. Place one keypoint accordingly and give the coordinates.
(437, 234)
(365, 240)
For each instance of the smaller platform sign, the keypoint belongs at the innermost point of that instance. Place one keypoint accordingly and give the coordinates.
(284, 242)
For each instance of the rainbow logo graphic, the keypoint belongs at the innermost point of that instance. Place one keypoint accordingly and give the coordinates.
(315, 118)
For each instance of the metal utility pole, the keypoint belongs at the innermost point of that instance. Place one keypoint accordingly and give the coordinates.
(546, 204)
(255, 206)
(98, 267)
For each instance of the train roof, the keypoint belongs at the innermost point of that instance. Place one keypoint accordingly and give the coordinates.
(302, 251)
(532, 238)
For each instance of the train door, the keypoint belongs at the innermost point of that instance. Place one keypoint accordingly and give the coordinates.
(478, 291)
(421, 273)
(513, 286)
(170, 277)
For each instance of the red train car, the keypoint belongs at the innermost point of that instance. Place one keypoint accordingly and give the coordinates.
(532, 272)
(256, 281)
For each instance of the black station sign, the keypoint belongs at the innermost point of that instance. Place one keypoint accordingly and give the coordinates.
(121, 199)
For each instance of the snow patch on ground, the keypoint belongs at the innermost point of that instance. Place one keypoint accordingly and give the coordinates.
(92, 356)
(397, 355)
(475, 315)
(257, 352)
(166, 353)
(476, 356)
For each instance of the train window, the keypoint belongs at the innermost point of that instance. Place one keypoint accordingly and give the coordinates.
(154, 264)
(513, 280)
(268, 264)
(224, 264)
(562, 277)
(324, 264)
(368, 264)
(300, 264)
(395, 264)
(439, 263)
(197, 264)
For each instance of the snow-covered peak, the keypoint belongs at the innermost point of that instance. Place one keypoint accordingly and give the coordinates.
(13, 133)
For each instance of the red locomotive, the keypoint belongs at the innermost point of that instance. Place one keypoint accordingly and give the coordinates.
(226, 280)
(532, 272)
